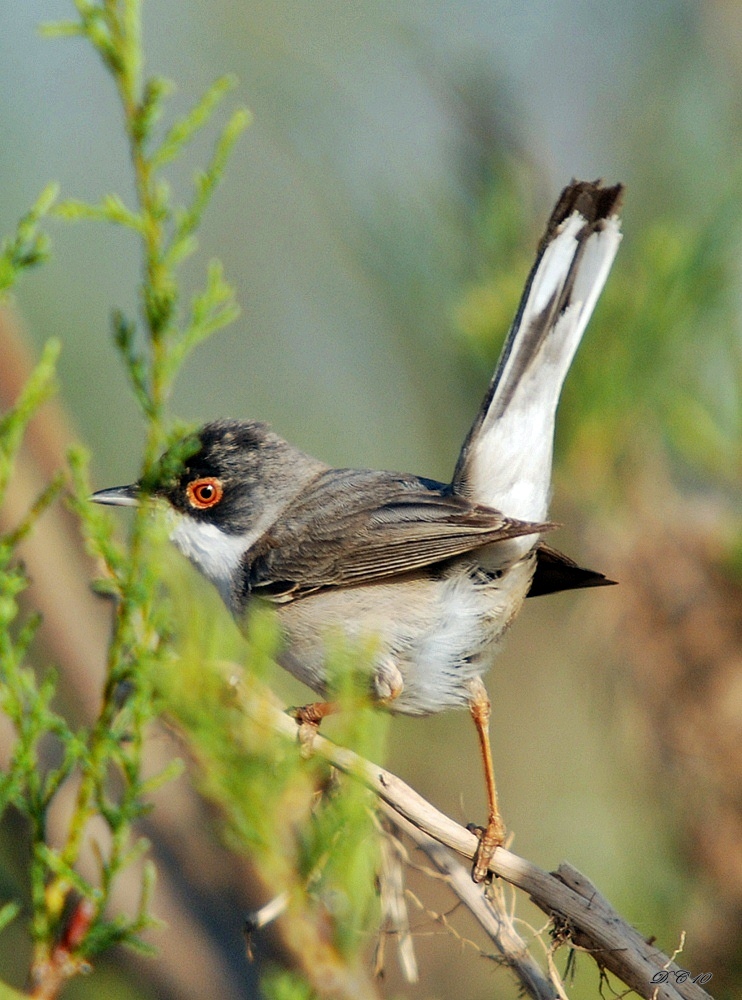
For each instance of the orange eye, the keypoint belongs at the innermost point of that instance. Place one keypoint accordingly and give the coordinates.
(204, 493)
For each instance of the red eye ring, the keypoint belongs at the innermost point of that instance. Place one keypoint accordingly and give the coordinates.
(204, 493)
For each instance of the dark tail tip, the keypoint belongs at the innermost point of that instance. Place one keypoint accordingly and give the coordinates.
(555, 572)
(593, 201)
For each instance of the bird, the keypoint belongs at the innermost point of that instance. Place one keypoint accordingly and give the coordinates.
(434, 573)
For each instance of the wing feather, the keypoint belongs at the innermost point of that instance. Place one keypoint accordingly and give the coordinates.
(353, 527)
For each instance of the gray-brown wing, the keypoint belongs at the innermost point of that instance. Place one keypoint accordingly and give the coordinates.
(352, 526)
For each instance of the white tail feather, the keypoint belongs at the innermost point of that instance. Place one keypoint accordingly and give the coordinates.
(506, 461)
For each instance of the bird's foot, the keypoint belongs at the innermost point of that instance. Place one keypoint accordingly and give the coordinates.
(490, 838)
(308, 718)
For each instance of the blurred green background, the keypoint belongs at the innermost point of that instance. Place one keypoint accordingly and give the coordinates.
(378, 220)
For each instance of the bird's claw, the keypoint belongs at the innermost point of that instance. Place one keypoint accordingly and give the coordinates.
(490, 838)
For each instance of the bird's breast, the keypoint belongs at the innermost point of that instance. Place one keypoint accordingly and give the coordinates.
(439, 629)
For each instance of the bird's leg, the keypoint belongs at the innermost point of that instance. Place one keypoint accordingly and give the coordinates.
(494, 833)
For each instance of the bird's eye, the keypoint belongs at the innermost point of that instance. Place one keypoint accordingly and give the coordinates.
(204, 493)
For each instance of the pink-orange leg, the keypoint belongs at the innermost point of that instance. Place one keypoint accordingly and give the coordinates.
(494, 833)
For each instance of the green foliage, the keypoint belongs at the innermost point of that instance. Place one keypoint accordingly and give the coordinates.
(29, 246)
(310, 833)
(13, 646)
(153, 355)
(7, 993)
(25, 701)
(30, 784)
(153, 349)
(13, 424)
(69, 924)
(283, 985)
(668, 308)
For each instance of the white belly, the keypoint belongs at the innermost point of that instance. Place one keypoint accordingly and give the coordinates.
(438, 632)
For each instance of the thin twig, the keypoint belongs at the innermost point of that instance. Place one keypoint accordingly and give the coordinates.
(395, 920)
(489, 913)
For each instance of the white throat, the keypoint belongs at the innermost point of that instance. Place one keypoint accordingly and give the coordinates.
(216, 554)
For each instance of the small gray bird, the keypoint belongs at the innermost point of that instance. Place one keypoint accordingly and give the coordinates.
(433, 573)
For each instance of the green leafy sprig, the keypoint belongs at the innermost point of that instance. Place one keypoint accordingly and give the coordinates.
(69, 924)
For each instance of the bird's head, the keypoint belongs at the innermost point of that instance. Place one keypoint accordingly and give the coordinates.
(225, 485)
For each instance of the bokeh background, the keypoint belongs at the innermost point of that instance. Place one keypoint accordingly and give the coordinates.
(378, 220)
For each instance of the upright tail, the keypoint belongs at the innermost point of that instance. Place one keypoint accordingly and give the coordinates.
(506, 459)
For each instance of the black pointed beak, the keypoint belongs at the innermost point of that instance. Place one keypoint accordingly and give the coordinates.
(119, 496)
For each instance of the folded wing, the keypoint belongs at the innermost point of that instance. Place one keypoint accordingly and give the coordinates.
(354, 526)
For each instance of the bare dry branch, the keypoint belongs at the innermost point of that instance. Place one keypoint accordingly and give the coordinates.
(584, 917)
(490, 913)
